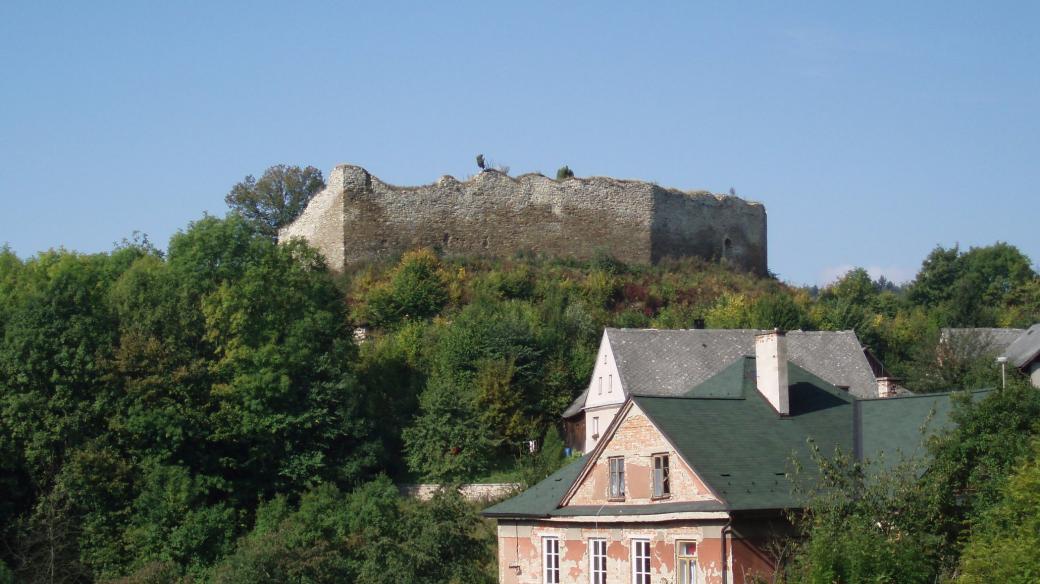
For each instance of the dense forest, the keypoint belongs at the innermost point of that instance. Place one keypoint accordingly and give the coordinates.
(227, 409)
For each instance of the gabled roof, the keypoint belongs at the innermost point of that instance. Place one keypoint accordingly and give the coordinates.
(743, 450)
(672, 362)
(994, 340)
(1026, 348)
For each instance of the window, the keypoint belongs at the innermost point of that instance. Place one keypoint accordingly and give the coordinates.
(662, 485)
(641, 561)
(595, 427)
(551, 559)
(617, 478)
(610, 383)
(598, 561)
(686, 562)
(601, 385)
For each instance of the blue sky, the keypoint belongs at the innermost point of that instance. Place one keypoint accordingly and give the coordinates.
(872, 131)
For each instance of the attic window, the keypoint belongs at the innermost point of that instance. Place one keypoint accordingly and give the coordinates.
(617, 477)
(661, 480)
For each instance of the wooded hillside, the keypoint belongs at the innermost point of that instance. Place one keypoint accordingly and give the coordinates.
(205, 412)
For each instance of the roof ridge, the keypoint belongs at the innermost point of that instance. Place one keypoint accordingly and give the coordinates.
(718, 330)
(932, 394)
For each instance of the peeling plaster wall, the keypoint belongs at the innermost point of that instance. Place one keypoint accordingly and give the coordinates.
(520, 545)
(358, 217)
(637, 439)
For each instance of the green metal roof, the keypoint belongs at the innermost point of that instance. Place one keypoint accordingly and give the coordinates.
(740, 446)
(541, 499)
(744, 450)
(896, 430)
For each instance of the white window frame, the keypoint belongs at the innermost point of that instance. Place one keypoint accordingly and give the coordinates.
(639, 575)
(616, 489)
(680, 577)
(550, 559)
(597, 551)
(595, 426)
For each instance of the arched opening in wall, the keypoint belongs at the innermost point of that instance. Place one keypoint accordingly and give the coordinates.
(727, 246)
(447, 240)
(486, 243)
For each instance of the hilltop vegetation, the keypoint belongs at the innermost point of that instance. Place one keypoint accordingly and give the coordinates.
(204, 411)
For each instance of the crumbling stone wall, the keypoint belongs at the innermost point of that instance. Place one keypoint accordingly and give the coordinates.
(358, 217)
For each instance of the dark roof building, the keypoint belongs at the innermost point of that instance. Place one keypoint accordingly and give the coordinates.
(654, 362)
(989, 340)
(1024, 353)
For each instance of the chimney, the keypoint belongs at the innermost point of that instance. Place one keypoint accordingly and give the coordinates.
(887, 386)
(771, 369)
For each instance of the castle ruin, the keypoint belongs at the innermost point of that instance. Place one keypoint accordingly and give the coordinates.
(357, 217)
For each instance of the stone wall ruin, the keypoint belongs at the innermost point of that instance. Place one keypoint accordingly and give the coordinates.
(359, 218)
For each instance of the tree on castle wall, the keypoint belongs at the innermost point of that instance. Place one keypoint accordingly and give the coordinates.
(276, 198)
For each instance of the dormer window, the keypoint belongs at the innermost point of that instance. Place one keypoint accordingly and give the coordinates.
(617, 478)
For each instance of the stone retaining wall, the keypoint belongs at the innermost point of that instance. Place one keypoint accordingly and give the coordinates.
(472, 492)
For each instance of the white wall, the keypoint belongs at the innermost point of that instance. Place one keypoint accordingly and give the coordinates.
(605, 393)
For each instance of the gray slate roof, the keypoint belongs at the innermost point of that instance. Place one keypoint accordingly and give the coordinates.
(1026, 348)
(672, 362)
(577, 405)
(995, 340)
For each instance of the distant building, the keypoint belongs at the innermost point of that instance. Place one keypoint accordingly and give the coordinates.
(994, 341)
(1024, 353)
(692, 486)
(1021, 347)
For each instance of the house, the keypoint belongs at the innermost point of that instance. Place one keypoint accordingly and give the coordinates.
(1024, 353)
(653, 362)
(994, 341)
(692, 487)
(1019, 348)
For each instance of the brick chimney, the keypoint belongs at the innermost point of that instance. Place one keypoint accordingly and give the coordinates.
(887, 386)
(771, 369)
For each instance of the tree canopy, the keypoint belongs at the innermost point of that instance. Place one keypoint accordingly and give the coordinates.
(276, 198)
